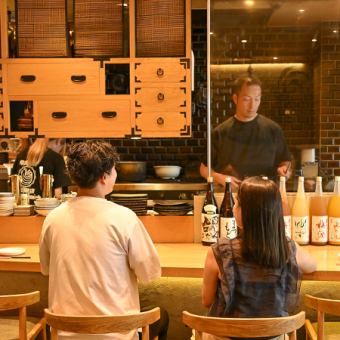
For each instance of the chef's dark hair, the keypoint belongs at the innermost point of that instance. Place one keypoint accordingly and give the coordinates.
(248, 79)
(264, 240)
(90, 160)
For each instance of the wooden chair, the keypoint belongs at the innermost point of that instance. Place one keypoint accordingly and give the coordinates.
(244, 327)
(101, 324)
(322, 330)
(20, 302)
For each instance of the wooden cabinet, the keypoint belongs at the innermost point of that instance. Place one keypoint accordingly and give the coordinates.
(78, 97)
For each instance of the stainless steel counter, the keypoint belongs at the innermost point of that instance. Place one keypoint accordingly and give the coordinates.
(163, 186)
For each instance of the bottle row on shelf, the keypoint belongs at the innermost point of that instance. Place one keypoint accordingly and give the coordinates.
(314, 220)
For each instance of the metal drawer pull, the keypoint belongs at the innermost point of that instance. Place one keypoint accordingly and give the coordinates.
(27, 78)
(78, 79)
(160, 96)
(109, 114)
(59, 114)
(160, 121)
(160, 72)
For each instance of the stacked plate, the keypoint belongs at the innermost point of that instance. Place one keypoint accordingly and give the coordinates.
(43, 206)
(7, 201)
(136, 202)
(174, 208)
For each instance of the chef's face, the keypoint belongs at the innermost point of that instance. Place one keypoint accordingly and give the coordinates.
(247, 102)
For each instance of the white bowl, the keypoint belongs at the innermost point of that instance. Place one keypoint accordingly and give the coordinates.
(167, 171)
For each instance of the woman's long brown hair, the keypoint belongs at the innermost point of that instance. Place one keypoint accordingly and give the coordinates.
(264, 239)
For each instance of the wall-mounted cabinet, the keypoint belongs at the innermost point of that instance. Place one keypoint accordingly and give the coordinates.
(102, 95)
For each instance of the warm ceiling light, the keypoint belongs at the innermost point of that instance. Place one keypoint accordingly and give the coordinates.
(301, 10)
(243, 41)
(249, 2)
(335, 31)
(211, 33)
(314, 40)
(275, 58)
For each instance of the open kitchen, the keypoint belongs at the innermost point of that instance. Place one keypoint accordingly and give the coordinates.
(153, 79)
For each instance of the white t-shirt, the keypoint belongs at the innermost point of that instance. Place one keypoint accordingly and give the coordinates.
(94, 251)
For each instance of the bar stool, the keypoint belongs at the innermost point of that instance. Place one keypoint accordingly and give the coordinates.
(22, 329)
(101, 324)
(322, 330)
(244, 327)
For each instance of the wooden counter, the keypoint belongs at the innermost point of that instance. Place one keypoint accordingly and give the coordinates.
(187, 260)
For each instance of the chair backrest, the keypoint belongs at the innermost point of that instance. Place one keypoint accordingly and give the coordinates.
(20, 302)
(244, 327)
(322, 306)
(101, 324)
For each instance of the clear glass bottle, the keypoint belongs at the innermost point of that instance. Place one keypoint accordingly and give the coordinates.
(334, 214)
(209, 216)
(300, 215)
(318, 215)
(228, 227)
(287, 215)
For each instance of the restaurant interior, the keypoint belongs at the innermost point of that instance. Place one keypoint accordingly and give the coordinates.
(293, 47)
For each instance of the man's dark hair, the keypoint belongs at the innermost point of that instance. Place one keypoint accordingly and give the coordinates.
(264, 239)
(90, 160)
(248, 79)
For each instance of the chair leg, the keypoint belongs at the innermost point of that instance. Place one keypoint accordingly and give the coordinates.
(54, 334)
(22, 323)
(145, 333)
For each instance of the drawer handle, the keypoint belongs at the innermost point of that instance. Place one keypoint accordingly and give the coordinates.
(160, 96)
(109, 114)
(59, 114)
(78, 79)
(160, 72)
(160, 121)
(27, 78)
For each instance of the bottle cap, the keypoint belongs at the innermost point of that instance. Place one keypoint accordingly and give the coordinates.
(227, 179)
(301, 179)
(318, 178)
(210, 179)
(282, 179)
(337, 178)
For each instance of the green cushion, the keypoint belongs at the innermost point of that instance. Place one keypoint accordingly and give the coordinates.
(9, 327)
(332, 330)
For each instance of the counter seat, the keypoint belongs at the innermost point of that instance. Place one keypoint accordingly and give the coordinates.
(187, 260)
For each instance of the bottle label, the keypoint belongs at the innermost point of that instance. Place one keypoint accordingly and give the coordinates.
(319, 228)
(210, 209)
(288, 225)
(300, 229)
(209, 231)
(228, 227)
(334, 229)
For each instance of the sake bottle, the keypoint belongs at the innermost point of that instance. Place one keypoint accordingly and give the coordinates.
(318, 215)
(209, 216)
(300, 215)
(287, 216)
(228, 227)
(334, 214)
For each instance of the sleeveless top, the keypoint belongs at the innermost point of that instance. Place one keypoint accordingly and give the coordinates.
(248, 290)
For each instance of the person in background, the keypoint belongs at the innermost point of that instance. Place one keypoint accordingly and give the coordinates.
(258, 273)
(94, 250)
(247, 144)
(45, 153)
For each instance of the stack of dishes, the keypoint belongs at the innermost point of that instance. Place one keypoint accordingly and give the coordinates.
(174, 208)
(136, 202)
(7, 201)
(43, 206)
(24, 210)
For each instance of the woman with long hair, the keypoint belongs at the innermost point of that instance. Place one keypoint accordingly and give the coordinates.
(258, 273)
(46, 155)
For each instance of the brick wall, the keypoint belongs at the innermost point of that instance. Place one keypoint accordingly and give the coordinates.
(330, 100)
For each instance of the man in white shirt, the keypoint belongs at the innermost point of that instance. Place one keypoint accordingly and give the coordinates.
(94, 250)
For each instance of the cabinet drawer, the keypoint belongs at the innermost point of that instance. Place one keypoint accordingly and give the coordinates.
(97, 118)
(162, 124)
(161, 98)
(162, 71)
(53, 78)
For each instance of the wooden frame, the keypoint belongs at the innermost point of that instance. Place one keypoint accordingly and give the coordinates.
(101, 324)
(244, 327)
(20, 302)
(321, 306)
